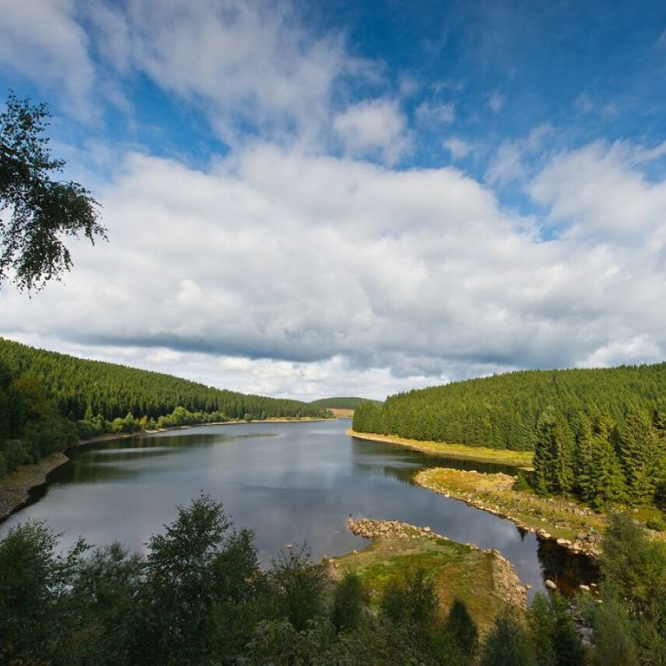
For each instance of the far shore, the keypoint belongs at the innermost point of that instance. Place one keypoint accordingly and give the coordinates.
(520, 459)
(16, 487)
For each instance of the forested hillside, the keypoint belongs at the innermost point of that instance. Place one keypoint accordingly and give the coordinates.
(343, 403)
(598, 434)
(114, 390)
(47, 400)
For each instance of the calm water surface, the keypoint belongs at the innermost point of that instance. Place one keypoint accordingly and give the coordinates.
(290, 482)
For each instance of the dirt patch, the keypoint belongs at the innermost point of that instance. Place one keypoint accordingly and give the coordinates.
(342, 413)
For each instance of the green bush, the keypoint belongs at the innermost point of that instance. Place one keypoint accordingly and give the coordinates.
(656, 524)
(347, 603)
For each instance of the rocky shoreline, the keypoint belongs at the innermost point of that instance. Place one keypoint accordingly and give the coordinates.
(15, 487)
(584, 543)
(508, 586)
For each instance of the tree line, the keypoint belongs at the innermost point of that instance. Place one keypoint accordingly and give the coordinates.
(49, 400)
(503, 411)
(598, 434)
(198, 596)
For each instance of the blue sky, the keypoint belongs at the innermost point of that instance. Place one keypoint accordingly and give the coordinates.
(309, 198)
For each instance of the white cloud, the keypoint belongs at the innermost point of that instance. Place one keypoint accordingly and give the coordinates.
(434, 114)
(251, 65)
(507, 165)
(598, 190)
(458, 148)
(41, 40)
(245, 63)
(620, 352)
(373, 128)
(510, 161)
(283, 273)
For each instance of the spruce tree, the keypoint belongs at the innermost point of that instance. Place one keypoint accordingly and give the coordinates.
(641, 456)
(553, 456)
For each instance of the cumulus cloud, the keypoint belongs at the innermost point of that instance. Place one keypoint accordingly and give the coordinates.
(292, 269)
(373, 128)
(304, 262)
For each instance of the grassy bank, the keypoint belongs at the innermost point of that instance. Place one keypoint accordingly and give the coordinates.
(484, 580)
(558, 518)
(550, 517)
(522, 459)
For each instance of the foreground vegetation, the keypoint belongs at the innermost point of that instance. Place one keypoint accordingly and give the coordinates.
(198, 597)
(482, 580)
(49, 401)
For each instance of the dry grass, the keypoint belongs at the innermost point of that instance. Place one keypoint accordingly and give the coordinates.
(521, 459)
(560, 517)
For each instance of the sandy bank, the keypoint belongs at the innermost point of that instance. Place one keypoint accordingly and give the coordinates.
(521, 459)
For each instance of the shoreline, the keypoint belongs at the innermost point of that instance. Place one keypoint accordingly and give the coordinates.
(583, 526)
(16, 488)
(519, 459)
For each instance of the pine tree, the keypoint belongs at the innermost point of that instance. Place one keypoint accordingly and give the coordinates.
(641, 456)
(608, 484)
(553, 456)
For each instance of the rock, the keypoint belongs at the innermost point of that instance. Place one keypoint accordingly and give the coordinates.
(550, 585)
(289, 545)
(585, 588)
(528, 586)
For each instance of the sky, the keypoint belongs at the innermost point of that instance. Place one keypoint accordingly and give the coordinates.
(362, 197)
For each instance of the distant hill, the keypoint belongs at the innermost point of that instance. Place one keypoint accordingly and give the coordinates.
(79, 386)
(343, 403)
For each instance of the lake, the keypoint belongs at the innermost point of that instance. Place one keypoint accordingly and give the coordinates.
(291, 482)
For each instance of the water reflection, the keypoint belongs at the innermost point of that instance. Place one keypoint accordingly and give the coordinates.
(291, 482)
